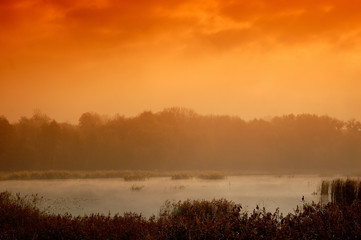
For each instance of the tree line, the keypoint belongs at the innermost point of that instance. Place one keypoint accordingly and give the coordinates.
(181, 139)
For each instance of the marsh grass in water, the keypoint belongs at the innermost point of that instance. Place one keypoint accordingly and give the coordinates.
(59, 174)
(127, 175)
(180, 187)
(211, 176)
(325, 186)
(181, 175)
(135, 177)
(137, 187)
(50, 174)
(342, 191)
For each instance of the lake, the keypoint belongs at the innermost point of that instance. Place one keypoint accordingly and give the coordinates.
(104, 196)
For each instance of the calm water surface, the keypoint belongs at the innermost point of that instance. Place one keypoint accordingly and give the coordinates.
(86, 196)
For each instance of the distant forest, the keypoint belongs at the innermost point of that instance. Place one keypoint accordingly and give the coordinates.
(180, 139)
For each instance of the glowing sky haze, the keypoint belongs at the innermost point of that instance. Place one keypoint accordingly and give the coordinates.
(252, 58)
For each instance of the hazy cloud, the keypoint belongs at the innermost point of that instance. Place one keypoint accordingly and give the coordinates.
(218, 22)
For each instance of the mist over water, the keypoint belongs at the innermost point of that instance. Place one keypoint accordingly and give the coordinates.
(104, 196)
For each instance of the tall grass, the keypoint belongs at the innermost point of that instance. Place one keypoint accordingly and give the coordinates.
(325, 186)
(181, 175)
(58, 174)
(137, 187)
(135, 177)
(127, 175)
(211, 175)
(342, 191)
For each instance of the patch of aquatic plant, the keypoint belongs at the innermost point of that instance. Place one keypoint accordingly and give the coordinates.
(211, 175)
(345, 191)
(28, 175)
(200, 219)
(180, 187)
(59, 174)
(325, 186)
(137, 187)
(181, 175)
(128, 175)
(342, 191)
(135, 177)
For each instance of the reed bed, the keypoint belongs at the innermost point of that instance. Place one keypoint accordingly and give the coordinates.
(181, 175)
(128, 175)
(137, 187)
(325, 186)
(135, 177)
(211, 176)
(342, 191)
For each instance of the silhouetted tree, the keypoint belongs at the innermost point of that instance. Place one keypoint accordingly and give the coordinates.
(179, 138)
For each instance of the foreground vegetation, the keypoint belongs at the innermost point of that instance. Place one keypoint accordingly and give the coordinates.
(217, 219)
(179, 139)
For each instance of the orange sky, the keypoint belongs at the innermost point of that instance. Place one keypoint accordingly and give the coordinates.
(252, 58)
